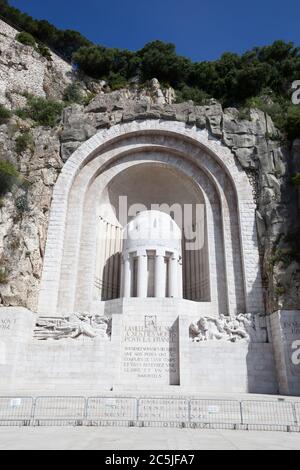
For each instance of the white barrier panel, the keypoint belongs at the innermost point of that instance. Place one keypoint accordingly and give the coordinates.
(163, 410)
(215, 411)
(15, 408)
(274, 413)
(59, 408)
(115, 409)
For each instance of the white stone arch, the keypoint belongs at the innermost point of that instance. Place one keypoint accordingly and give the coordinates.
(210, 197)
(114, 138)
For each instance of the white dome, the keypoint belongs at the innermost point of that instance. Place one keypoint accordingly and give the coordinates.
(152, 226)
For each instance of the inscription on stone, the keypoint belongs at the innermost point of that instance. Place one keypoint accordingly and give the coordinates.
(150, 350)
(291, 327)
(6, 324)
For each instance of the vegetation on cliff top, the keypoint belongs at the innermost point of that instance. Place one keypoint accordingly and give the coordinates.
(234, 79)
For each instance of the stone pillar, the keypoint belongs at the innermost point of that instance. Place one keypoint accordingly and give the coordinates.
(160, 275)
(180, 279)
(173, 276)
(142, 275)
(127, 277)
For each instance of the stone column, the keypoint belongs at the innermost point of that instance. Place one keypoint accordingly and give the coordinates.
(127, 277)
(142, 275)
(180, 279)
(173, 276)
(160, 275)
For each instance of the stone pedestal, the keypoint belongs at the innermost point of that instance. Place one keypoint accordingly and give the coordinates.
(285, 332)
(152, 347)
(149, 350)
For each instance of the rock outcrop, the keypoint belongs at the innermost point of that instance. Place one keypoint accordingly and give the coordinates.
(23, 70)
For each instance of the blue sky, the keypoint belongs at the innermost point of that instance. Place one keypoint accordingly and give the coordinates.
(201, 29)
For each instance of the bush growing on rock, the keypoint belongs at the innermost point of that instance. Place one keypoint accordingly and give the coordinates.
(9, 175)
(188, 93)
(5, 114)
(44, 51)
(26, 38)
(43, 112)
(24, 141)
(73, 94)
(22, 204)
(3, 274)
(116, 81)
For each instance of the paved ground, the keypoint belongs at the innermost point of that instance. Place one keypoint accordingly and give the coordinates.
(143, 439)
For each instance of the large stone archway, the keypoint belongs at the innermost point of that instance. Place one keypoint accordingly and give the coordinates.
(69, 265)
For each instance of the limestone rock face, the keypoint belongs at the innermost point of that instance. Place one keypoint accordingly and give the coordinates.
(23, 70)
(255, 142)
(23, 227)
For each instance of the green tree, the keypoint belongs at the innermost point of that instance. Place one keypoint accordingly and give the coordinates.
(159, 60)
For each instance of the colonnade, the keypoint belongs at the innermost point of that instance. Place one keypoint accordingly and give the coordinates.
(167, 274)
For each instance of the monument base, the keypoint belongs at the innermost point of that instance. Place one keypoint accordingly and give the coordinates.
(147, 353)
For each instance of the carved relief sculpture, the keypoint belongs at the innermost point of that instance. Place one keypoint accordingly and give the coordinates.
(73, 327)
(243, 327)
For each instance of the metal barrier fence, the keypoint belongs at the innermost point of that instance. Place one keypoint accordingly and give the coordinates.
(150, 411)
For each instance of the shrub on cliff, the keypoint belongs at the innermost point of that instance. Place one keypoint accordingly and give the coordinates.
(73, 94)
(116, 81)
(5, 114)
(44, 51)
(9, 175)
(189, 93)
(26, 38)
(3, 274)
(24, 142)
(43, 112)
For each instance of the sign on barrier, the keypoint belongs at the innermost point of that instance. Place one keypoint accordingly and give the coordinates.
(112, 409)
(15, 408)
(59, 408)
(215, 411)
(273, 413)
(163, 410)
